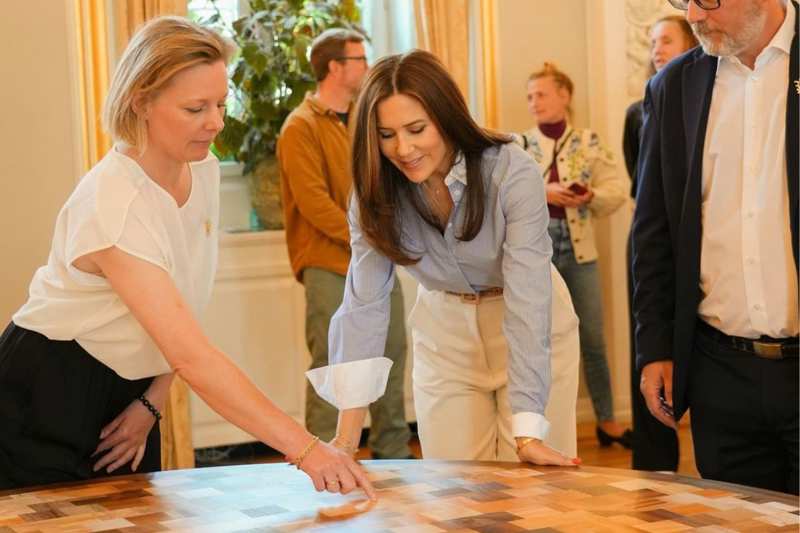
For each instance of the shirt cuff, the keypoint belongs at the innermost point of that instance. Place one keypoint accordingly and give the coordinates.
(352, 384)
(529, 425)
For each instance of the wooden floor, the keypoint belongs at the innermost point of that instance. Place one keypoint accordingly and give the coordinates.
(615, 456)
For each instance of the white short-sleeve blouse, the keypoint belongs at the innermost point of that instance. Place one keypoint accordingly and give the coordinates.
(117, 204)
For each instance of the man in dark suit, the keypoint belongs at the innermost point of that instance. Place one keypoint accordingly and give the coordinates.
(715, 242)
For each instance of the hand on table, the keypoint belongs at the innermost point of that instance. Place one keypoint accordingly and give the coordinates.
(538, 453)
(125, 438)
(334, 470)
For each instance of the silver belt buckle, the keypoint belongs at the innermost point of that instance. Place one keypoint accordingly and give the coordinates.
(768, 350)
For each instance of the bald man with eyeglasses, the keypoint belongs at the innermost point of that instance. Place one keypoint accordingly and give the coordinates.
(715, 242)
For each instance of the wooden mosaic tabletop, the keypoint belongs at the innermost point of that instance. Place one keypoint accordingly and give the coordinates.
(415, 496)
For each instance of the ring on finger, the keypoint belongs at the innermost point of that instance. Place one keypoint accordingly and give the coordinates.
(332, 484)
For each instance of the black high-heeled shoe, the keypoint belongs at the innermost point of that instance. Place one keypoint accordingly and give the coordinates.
(625, 440)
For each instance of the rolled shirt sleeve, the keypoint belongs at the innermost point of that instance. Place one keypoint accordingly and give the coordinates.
(357, 370)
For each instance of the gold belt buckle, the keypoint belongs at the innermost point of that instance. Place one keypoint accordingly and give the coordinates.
(468, 298)
(768, 350)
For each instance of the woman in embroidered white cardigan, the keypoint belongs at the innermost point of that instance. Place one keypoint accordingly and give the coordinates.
(582, 183)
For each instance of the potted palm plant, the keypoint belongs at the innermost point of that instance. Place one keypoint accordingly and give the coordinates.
(271, 75)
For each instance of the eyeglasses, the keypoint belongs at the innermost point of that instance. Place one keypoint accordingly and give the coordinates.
(683, 5)
(352, 58)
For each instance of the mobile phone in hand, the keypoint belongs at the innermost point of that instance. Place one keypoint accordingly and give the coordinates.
(665, 407)
(578, 189)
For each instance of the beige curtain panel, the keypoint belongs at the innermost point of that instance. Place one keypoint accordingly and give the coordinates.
(128, 15)
(442, 29)
(176, 429)
(92, 48)
(488, 41)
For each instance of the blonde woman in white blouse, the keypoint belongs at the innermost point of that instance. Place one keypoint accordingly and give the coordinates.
(86, 363)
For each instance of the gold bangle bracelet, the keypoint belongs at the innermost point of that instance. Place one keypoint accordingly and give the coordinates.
(299, 459)
(522, 442)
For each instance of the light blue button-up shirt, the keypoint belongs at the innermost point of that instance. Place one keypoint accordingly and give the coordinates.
(512, 250)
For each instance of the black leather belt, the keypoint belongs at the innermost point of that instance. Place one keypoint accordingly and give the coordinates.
(764, 347)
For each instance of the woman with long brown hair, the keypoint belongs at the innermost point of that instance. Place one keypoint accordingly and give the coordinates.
(462, 209)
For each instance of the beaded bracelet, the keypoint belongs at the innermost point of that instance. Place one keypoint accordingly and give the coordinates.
(150, 407)
(299, 459)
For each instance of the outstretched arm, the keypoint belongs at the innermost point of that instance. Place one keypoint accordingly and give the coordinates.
(155, 302)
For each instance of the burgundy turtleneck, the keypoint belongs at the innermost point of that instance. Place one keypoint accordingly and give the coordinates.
(554, 131)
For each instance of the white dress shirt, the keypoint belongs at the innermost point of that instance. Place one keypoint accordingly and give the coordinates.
(747, 271)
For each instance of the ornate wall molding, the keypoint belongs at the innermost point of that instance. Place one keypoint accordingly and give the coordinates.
(640, 15)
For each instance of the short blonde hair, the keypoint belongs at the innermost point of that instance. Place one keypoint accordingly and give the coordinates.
(157, 51)
(561, 79)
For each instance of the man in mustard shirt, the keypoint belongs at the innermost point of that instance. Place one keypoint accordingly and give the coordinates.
(316, 183)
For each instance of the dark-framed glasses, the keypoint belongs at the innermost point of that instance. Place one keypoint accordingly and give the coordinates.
(683, 5)
(352, 58)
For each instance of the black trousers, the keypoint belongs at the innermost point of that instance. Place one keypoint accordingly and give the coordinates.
(744, 412)
(655, 446)
(54, 400)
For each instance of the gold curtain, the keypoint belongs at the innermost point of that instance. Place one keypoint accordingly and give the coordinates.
(130, 14)
(176, 428)
(92, 48)
(442, 27)
(488, 10)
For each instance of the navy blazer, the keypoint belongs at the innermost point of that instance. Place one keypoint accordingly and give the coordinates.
(667, 223)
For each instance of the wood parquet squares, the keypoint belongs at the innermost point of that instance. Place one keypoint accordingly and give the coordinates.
(415, 497)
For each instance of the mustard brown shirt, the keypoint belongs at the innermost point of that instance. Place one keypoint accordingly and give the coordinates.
(316, 181)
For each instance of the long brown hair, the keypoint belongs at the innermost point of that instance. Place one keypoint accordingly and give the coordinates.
(380, 187)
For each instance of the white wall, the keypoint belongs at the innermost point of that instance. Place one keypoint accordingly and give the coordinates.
(37, 136)
(528, 34)
(606, 30)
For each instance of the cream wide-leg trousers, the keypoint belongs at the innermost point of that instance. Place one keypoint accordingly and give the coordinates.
(460, 376)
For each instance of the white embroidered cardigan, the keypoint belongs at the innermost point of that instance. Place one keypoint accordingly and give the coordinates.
(586, 161)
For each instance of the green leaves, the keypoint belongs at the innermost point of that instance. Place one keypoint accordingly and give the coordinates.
(272, 73)
(230, 138)
(254, 58)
